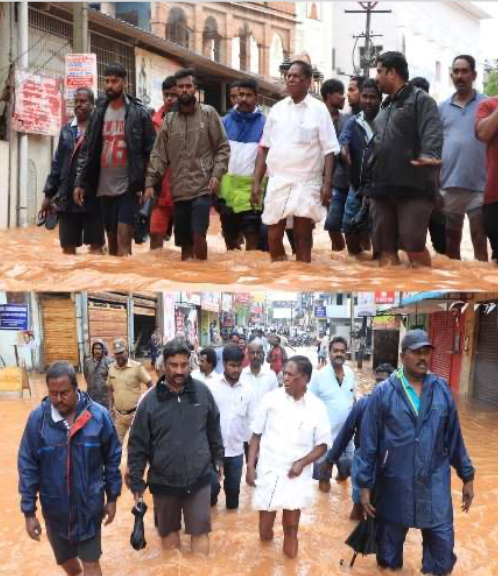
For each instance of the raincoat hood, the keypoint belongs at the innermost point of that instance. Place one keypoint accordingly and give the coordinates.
(104, 347)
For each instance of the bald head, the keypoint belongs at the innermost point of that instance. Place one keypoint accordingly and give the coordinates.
(256, 355)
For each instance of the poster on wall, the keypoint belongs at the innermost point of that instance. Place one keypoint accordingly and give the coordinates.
(38, 104)
(151, 70)
(169, 327)
(81, 72)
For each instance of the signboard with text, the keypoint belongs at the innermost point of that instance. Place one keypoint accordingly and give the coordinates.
(385, 297)
(81, 72)
(38, 107)
(14, 317)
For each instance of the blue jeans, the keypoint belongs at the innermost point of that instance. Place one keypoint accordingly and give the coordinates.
(351, 208)
(343, 466)
(354, 483)
(333, 222)
(232, 471)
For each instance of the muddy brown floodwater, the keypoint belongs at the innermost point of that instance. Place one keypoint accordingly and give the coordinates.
(30, 259)
(235, 548)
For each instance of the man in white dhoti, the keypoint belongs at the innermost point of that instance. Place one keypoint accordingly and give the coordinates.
(297, 147)
(291, 430)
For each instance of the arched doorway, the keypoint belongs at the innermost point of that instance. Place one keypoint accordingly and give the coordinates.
(211, 39)
(276, 55)
(176, 28)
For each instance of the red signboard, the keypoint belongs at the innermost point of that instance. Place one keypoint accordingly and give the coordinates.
(38, 107)
(385, 297)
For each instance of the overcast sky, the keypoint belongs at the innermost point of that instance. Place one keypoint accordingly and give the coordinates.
(489, 44)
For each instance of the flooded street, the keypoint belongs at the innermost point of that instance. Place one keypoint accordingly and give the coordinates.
(32, 260)
(235, 548)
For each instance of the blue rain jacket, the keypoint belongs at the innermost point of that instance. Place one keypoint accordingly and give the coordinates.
(71, 470)
(413, 454)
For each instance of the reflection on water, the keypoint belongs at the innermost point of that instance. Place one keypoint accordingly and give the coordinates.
(31, 260)
(235, 546)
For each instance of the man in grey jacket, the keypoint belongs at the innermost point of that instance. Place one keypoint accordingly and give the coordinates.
(403, 164)
(176, 431)
(193, 142)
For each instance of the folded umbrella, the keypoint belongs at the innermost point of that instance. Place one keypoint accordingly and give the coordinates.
(137, 538)
(363, 538)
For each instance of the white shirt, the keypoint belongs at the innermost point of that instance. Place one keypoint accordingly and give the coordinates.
(338, 399)
(264, 382)
(290, 430)
(299, 137)
(234, 404)
(208, 380)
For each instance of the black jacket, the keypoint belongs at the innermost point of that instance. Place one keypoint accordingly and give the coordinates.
(62, 175)
(140, 136)
(178, 435)
(407, 126)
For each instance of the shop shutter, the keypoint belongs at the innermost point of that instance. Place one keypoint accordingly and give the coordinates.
(107, 321)
(442, 328)
(486, 358)
(60, 340)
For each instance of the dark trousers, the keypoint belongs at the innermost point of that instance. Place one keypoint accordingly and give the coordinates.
(438, 557)
(491, 227)
(232, 469)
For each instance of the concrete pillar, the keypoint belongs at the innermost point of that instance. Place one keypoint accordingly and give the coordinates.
(265, 57)
(22, 193)
(198, 28)
(80, 27)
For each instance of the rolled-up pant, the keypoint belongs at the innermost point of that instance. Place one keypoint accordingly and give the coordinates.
(438, 543)
(232, 471)
(123, 424)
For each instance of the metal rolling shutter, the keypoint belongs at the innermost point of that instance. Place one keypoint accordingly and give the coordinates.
(486, 359)
(442, 328)
(107, 321)
(59, 330)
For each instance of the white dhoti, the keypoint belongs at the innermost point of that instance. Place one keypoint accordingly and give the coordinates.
(286, 199)
(276, 491)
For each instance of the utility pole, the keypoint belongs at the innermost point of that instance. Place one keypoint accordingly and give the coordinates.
(80, 28)
(368, 8)
(351, 333)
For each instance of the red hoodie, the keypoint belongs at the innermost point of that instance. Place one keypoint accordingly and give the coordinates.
(166, 197)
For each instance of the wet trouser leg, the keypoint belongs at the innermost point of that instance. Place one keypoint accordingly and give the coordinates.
(438, 543)
(215, 487)
(231, 484)
(390, 540)
(491, 227)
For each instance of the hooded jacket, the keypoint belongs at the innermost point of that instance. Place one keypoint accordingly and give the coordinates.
(412, 454)
(407, 126)
(140, 136)
(71, 470)
(96, 376)
(195, 147)
(178, 435)
(244, 131)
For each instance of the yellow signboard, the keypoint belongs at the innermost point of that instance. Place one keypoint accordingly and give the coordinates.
(13, 379)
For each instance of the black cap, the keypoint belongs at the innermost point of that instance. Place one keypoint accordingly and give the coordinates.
(415, 339)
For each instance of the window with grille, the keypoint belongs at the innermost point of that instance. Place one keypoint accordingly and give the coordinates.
(109, 51)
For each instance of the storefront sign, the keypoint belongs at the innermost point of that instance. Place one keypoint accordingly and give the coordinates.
(320, 312)
(385, 297)
(81, 72)
(38, 107)
(210, 301)
(14, 317)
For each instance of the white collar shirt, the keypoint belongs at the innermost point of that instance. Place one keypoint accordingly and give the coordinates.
(299, 137)
(208, 380)
(338, 398)
(289, 430)
(260, 384)
(58, 417)
(234, 404)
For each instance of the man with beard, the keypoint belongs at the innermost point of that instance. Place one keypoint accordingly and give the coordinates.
(193, 143)
(403, 168)
(69, 457)
(354, 93)
(96, 371)
(244, 127)
(176, 432)
(354, 139)
(77, 225)
(298, 147)
(233, 398)
(463, 171)
(410, 439)
(335, 385)
(332, 92)
(126, 382)
(161, 218)
(113, 159)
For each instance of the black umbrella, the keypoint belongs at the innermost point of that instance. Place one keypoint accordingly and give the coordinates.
(363, 538)
(137, 538)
